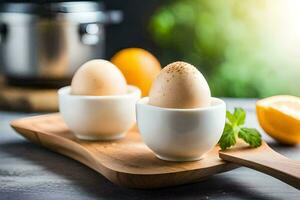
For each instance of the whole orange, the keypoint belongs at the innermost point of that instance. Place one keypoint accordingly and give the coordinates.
(139, 67)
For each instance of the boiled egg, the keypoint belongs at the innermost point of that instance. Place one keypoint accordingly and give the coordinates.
(98, 78)
(180, 85)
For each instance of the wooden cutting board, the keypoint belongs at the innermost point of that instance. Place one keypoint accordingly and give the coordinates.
(126, 162)
(265, 160)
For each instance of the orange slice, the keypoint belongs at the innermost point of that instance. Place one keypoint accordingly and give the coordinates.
(279, 116)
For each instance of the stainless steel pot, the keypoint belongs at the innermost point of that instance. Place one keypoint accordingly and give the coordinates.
(47, 43)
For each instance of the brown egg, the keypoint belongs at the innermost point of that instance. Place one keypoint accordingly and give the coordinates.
(98, 78)
(180, 85)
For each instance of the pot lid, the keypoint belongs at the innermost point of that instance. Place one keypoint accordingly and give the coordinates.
(19, 7)
(52, 8)
(79, 6)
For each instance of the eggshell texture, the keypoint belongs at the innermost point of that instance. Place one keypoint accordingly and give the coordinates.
(180, 85)
(98, 78)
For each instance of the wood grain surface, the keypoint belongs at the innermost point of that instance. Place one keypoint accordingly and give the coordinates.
(27, 99)
(126, 162)
(266, 160)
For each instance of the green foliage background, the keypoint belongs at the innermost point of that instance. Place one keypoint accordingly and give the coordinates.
(230, 44)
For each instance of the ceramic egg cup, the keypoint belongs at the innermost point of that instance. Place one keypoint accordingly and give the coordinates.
(181, 134)
(98, 117)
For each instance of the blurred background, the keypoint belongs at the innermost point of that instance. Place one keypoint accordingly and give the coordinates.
(248, 48)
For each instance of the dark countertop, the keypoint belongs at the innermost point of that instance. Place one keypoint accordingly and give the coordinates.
(30, 172)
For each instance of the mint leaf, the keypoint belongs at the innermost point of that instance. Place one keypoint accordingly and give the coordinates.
(228, 137)
(251, 136)
(234, 128)
(240, 116)
(230, 118)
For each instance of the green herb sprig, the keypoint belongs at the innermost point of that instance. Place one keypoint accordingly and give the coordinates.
(234, 129)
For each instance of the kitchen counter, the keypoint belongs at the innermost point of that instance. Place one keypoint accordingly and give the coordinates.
(28, 171)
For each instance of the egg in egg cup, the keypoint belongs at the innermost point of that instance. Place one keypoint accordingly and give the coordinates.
(180, 121)
(98, 105)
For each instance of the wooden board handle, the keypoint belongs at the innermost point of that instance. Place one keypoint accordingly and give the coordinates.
(266, 160)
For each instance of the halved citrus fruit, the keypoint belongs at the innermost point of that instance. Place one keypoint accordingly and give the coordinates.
(279, 116)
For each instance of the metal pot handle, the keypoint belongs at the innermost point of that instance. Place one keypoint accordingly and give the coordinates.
(90, 32)
(113, 17)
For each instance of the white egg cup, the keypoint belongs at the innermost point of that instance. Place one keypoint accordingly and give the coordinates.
(181, 134)
(98, 117)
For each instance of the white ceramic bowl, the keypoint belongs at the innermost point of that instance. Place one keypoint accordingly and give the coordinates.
(98, 117)
(181, 134)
